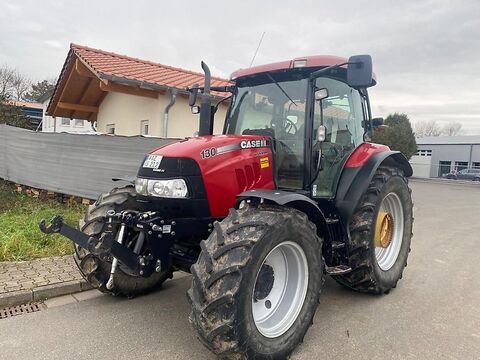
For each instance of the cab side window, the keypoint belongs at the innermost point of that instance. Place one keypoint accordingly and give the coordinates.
(342, 114)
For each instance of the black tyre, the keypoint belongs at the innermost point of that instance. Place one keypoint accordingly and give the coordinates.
(236, 307)
(378, 264)
(97, 271)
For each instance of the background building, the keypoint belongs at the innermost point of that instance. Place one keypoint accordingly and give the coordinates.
(31, 110)
(129, 96)
(64, 124)
(442, 154)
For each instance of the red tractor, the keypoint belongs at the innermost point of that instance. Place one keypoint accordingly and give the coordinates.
(291, 192)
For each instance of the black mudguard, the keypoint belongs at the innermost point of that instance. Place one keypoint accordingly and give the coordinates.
(291, 199)
(354, 181)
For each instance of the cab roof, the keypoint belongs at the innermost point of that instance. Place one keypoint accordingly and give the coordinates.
(299, 62)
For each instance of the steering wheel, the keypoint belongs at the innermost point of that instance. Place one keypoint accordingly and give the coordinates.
(288, 125)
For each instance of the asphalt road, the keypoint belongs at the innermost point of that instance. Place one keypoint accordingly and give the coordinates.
(433, 313)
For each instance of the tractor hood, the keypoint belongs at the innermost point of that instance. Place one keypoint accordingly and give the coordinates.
(227, 165)
(204, 147)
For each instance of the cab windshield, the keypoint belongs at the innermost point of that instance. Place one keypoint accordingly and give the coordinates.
(275, 109)
(275, 105)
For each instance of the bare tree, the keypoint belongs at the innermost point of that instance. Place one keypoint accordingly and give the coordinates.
(6, 77)
(21, 85)
(453, 128)
(424, 128)
(13, 84)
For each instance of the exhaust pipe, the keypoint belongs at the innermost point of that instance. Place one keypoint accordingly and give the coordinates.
(206, 118)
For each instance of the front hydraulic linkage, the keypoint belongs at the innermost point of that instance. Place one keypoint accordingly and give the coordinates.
(105, 246)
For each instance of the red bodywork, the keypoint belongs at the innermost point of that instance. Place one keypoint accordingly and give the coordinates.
(309, 61)
(227, 168)
(364, 152)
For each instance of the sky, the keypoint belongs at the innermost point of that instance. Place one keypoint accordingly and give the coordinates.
(426, 54)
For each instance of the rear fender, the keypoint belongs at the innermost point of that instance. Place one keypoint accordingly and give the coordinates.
(354, 181)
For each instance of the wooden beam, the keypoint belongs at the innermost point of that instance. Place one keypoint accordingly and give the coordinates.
(65, 84)
(77, 107)
(130, 90)
(83, 95)
(83, 70)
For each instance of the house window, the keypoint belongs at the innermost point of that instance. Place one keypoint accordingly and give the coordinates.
(424, 153)
(444, 167)
(79, 123)
(460, 165)
(111, 129)
(65, 121)
(144, 127)
(476, 165)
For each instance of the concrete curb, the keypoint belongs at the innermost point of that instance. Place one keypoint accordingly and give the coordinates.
(42, 293)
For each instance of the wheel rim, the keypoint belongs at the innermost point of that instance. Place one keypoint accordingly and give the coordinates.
(387, 256)
(280, 289)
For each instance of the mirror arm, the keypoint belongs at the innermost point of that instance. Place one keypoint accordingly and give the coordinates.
(320, 72)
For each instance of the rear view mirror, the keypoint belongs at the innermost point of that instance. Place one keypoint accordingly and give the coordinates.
(359, 71)
(321, 94)
(377, 122)
(192, 98)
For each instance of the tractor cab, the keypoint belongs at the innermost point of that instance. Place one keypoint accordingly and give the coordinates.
(313, 115)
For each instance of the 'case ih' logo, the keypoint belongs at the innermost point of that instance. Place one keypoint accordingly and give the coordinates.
(249, 144)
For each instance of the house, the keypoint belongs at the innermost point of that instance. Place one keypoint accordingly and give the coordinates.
(64, 124)
(129, 96)
(438, 155)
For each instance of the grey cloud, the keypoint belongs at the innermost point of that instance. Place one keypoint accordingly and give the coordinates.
(426, 53)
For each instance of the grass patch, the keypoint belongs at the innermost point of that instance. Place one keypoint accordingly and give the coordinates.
(20, 237)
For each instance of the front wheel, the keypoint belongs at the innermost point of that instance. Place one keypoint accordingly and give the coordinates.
(97, 271)
(257, 282)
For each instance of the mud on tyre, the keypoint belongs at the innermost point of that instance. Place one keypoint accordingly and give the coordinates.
(377, 269)
(236, 308)
(97, 271)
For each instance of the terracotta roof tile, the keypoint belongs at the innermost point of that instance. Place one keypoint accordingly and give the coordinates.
(26, 104)
(108, 63)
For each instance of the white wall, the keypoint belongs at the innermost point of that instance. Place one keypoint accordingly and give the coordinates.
(48, 123)
(421, 166)
(127, 112)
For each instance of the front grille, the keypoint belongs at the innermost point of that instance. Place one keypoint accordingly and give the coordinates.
(248, 176)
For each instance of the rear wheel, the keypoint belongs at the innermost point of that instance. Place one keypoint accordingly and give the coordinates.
(97, 271)
(257, 282)
(380, 231)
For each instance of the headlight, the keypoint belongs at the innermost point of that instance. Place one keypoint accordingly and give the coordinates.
(174, 188)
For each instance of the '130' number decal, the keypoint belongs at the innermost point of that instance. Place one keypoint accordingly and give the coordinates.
(207, 153)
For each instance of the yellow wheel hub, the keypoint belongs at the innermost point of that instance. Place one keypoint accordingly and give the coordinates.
(383, 229)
